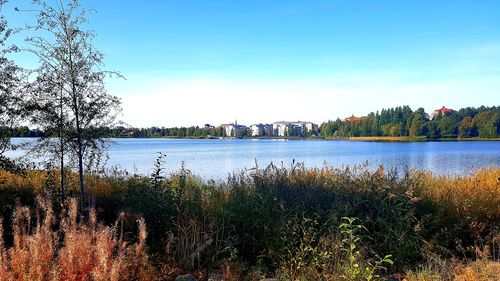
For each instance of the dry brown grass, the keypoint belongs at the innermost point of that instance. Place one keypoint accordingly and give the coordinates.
(36, 179)
(72, 250)
(479, 271)
(385, 139)
(475, 195)
(474, 198)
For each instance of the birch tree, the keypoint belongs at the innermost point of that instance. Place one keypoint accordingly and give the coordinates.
(72, 66)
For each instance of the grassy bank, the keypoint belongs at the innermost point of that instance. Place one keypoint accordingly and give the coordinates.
(384, 139)
(469, 139)
(411, 139)
(291, 222)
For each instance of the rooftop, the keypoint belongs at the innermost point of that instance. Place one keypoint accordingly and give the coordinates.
(352, 118)
(443, 110)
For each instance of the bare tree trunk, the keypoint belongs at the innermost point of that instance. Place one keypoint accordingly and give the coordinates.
(62, 172)
(79, 152)
(79, 142)
(61, 143)
(80, 173)
(76, 110)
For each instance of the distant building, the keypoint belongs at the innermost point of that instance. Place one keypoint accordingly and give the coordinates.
(280, 128)
(295, 128)
(309, 126)
(209, 127)
(228, 129)
(441, 110)
(259, 130)
(268, 130)
(352, 118)
(234, 130)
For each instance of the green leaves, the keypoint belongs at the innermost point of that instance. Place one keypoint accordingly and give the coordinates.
(350, 243)
(387, 259)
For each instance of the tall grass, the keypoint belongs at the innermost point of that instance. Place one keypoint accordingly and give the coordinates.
(463, 212)
(272, 221)
(70, 248)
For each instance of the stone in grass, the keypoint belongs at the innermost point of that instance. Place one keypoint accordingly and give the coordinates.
(215, 277)
(186, 277)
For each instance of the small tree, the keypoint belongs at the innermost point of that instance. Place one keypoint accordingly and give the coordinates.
(72, 65)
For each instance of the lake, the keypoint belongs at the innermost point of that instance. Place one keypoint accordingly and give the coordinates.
(216, 158)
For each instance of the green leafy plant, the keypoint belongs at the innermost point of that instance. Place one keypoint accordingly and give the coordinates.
(349, 244)
(157, 176)
(305, 253)
(354, 269)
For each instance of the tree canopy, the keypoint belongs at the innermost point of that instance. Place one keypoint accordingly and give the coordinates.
(483, 122)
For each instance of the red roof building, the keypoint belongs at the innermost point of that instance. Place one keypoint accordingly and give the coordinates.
(352, 118)
(442, 110)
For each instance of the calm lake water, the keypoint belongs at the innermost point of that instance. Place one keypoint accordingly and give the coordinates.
(215, 159)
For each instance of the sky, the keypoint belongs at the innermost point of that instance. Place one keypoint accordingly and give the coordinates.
(195, 62)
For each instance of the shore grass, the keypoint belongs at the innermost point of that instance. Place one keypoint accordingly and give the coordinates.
(469, 139)
(384, 139)
(293, 222)
(410, 139)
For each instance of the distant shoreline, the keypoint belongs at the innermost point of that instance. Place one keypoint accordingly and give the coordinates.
(411, 139)
(374, 139)
(369, 139)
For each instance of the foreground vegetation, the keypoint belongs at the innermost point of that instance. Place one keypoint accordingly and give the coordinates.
(293, 222)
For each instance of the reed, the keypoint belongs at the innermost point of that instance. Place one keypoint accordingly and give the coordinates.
(70, 248)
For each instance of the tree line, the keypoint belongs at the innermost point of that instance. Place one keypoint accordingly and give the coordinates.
(469, 122)
(178, 132)
(122, 132)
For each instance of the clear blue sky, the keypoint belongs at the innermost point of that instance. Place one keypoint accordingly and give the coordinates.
(195, 62)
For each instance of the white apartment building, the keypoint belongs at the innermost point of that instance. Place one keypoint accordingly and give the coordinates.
(297, 128)
(259, 130)
(233, 130)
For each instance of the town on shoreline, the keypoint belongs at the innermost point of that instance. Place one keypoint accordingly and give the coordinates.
(393, 124)
(399, 124)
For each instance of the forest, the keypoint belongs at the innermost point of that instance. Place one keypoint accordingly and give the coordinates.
(469, 122)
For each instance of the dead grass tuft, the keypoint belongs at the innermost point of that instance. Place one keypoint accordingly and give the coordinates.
(76, 249)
